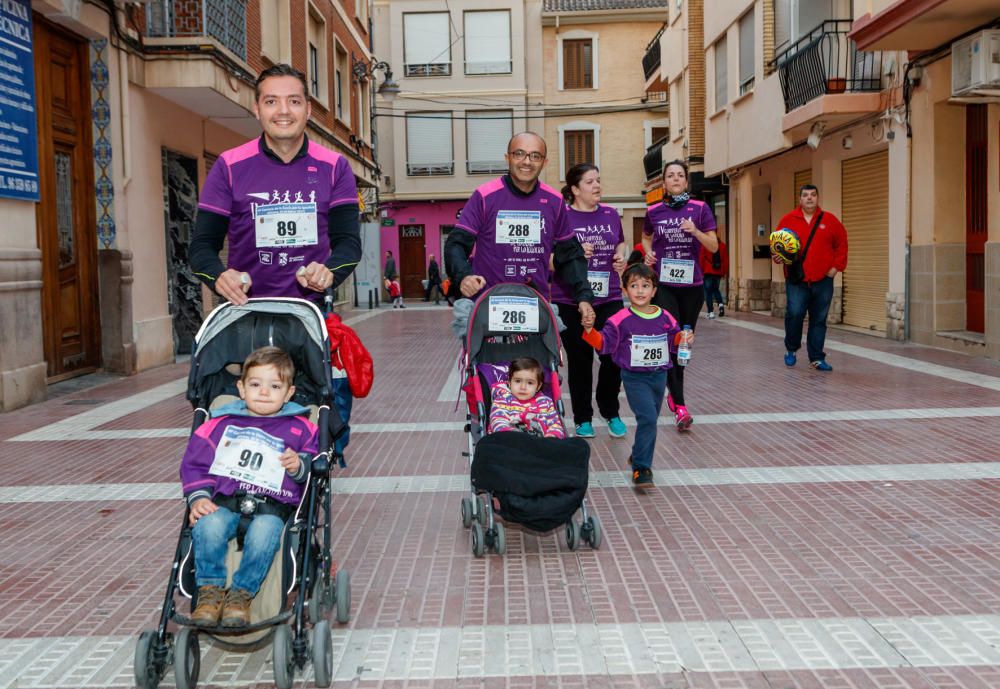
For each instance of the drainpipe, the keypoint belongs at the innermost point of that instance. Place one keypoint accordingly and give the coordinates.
(123, 106)
(909, 237)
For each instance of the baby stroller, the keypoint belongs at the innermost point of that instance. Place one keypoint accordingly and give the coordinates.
(303, 566)
(537, 482)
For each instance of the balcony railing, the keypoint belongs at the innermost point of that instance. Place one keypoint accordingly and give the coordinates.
(430, 169)
(826, 61)
(653, 160)
(498, 67)
(651, 60)
(223, 20)
(430, 69)
(484, 167)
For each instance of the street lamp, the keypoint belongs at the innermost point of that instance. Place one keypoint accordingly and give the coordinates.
(388, 89)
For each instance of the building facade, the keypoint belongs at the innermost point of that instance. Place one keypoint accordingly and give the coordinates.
(93, 274)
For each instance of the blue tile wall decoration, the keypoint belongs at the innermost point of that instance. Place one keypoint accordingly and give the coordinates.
(104, 187)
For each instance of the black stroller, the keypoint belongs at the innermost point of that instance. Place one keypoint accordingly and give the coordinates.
(300, 587)
(539, 483)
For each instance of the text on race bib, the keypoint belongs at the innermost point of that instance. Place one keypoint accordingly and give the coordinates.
(250, 455)
(677, 271)
(600, 282)
(649, 351)
(519, 227)
(285, 224)
(513, 314)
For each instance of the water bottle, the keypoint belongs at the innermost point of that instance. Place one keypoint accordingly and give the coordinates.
(684, 348)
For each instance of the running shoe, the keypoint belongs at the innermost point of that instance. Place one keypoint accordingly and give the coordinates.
(711, 315)
(821, 365)
(616, 427)
(790, 358)
(584, 430)
(722, 311)
(642, 478)
(683, 418)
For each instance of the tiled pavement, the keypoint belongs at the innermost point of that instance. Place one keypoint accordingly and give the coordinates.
(812, 531)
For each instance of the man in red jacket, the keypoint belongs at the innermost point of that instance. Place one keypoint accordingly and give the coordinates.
(714, 266)
(822, 259)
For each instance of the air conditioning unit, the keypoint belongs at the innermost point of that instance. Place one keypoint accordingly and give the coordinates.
(975, 63)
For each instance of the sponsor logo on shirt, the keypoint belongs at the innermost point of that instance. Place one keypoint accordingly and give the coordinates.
(510, 271)
(265, 257)
(284, 259)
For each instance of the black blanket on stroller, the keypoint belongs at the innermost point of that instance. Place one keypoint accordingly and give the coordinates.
(539, 482)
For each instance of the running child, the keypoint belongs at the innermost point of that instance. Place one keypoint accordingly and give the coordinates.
(249, 460)
(520, 405)
(640, 339)
(395, 293)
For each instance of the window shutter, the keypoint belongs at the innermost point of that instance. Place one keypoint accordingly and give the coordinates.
(579, 147)
(487, 134)
(721, 84)
(487, 42)
(782, 24)
(426, 44)
(428, 144)
(578, 64)
(746, 50)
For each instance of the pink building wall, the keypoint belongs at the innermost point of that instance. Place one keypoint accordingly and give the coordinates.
(431, 214)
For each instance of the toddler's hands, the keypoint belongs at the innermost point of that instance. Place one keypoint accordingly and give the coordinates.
(200, 508)
(290, 460)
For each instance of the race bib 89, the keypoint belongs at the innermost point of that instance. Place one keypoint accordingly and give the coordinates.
(286, 224)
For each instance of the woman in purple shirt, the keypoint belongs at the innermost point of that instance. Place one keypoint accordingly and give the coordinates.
(599, 230)
(674, 233)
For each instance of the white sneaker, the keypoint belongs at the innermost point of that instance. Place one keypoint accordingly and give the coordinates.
(711, 315)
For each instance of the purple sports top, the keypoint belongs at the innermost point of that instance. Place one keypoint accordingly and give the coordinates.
(619, 330)
(277, 212)
(602, 228)
(514, 232)
(674, 244)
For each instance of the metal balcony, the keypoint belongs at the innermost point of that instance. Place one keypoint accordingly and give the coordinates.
(651, 59)
(826, 61)
(223, 20)
(652, 161)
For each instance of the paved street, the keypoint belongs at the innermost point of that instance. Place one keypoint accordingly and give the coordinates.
(813, 531)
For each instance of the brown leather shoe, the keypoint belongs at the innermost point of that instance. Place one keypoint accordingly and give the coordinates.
(236, 610)
(209, 605)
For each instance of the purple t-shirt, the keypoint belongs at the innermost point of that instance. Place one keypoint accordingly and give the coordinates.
(603, 229)
(677, 252)
(514, 232)
(640, 342)
(277, 212)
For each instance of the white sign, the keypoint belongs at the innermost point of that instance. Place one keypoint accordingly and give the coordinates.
(250, 455)
(600, 282)
(677, 271)
(513, 314)
(519, 227)
(649, 351)
(286, 224)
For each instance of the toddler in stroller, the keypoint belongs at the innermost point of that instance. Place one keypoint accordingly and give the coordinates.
(271, 472)
(537, 482)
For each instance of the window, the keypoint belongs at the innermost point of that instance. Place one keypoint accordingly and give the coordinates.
(793, 19)
(428, 144)
(426, 44)
(487, 42)
(578, 63)
(578, 147)
(275, 37)
(341, 74)
(316, 41)
(361, 12)
(721, 85)
(746, 52)
(486, 135)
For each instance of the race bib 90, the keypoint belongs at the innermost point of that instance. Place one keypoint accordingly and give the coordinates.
(250, 455)
(649, 351)
(513, 314)
(285, 224)
(677, 271)
(519, 227)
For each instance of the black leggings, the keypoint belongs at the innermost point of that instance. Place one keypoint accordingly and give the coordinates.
(684, 304)
(580, 365)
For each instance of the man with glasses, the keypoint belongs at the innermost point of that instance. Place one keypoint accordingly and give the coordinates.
(517, 226)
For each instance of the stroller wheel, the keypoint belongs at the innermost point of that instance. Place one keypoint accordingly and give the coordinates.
(322, 654)
(478, 540)
(466, 512)
(147, 672)
(485, 509)
(342, 593)
(499, 539)
(319, 601)
(281, 655)
(572, 535)
(187, 658)
(594, 535)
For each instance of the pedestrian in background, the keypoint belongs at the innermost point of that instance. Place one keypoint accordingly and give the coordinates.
(715, 266)
(433, 281)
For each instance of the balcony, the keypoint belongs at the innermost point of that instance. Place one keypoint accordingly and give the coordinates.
(651, 59)
(431, 69)
(223, 20)
(652, 161)
(826, 61)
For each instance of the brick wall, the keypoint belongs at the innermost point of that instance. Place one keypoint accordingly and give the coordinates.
(696, 78)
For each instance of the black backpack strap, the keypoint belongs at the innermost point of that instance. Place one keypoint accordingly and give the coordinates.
(811, 235)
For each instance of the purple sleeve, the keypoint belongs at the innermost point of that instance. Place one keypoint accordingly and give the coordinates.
(548, 418)
(345, 189)
(621, 230)
(217, 193)
(198, 458)
(471, 219)
(647, 225)
(563, 229)
(609, 338)
(707, 219)
(310, 442)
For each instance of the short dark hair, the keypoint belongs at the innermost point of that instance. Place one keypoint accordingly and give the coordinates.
(681, 164)
(279, 70)
(806, 187)
(638, 270)
(526, 363)
(573, 177)
(270, 356)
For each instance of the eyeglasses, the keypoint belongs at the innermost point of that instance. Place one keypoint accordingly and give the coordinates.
(519, 155)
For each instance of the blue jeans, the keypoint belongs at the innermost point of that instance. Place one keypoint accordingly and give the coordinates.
(344, 401)
(212, 534)
(644, 392)
(814, 298)
(712, 292)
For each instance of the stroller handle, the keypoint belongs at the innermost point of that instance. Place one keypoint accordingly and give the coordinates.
(328, 300)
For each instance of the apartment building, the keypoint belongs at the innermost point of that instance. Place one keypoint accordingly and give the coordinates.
(950, 189)
(597, 109)
(128, 106)
(470, 76)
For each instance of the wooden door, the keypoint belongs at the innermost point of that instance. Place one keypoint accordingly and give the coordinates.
(976, 215)
(65, 215)
(411, 260)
